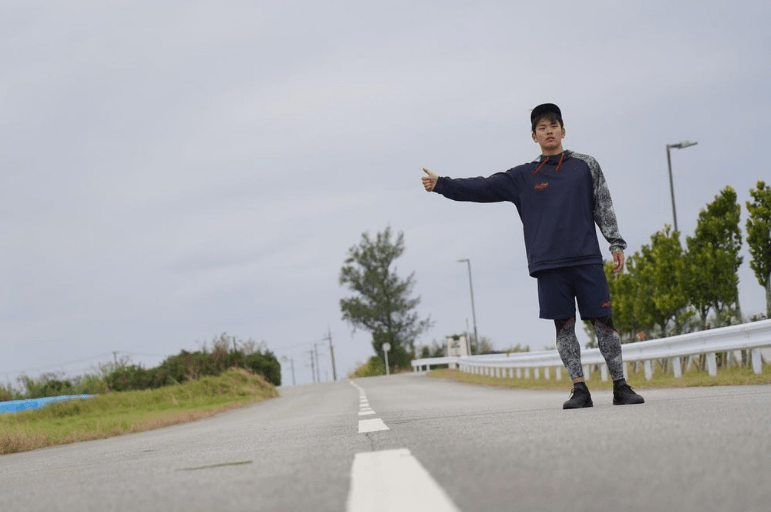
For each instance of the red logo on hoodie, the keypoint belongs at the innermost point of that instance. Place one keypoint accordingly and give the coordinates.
(541, 186)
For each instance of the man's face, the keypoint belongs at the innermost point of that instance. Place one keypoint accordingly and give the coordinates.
(549, 134)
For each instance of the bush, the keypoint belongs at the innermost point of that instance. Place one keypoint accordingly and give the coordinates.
(8, 393)
(186, 366)
(374, 366)
(91, 385)
(47, 384)
(192, 366)
(135, 378)
(265, 364)
(52, 384)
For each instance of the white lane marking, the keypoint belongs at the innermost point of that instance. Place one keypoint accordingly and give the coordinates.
(373, 425)
(394, 481)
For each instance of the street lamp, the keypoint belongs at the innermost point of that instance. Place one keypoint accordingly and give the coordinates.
(473, 312)
(679, 145)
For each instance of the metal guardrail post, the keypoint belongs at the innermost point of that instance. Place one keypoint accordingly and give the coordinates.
(757, 363)
(712, 364)
(648, 369)
(677, 367)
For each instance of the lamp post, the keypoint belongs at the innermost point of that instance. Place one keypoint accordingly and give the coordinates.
(473, 312)
(679, 145)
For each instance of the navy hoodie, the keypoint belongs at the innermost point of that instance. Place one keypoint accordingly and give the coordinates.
(559, 200)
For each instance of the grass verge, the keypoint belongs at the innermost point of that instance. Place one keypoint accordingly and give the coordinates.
(734, 376)
(113, 414)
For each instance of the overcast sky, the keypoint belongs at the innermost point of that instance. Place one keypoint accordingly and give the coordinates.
(175, 170)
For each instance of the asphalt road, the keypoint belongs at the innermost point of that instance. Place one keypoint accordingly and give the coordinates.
(426, 444)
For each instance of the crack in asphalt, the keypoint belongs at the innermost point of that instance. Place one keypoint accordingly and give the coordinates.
(220, 465)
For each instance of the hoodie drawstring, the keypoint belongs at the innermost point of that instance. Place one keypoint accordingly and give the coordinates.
(543, 162)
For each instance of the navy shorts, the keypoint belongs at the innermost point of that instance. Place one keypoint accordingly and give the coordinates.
(559, 288)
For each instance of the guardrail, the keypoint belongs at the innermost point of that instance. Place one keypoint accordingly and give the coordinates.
(751, 336)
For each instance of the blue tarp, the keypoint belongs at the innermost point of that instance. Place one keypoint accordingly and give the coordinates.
(37, 403)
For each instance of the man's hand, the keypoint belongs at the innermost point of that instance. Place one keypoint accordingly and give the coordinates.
(618, 260)
(429, 181)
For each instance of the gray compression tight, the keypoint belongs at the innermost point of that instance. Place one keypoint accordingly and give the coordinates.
(607, 339)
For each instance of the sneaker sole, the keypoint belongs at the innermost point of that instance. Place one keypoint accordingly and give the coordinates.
(590, 404)
(627, 403)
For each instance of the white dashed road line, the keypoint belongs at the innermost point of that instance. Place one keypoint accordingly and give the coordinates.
(394, 481)
(370, 425)
(373, 425)
(391, 480)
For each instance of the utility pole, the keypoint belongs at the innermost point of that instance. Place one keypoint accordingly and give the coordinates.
(313, 367)
(316, 352)
(290, 359)
(473, 311)
(331, 353)
(316, 355)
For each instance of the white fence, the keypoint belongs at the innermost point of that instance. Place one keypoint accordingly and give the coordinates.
(752, 336)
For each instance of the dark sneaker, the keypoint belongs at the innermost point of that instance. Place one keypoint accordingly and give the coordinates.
(623, 394)
(579, 397)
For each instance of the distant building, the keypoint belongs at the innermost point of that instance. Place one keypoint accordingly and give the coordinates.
(457, 346)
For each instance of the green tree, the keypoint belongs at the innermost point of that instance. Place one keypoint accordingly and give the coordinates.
(623, 293)
(435, 349)
(712, 261)
(382, 302)
(518, 348)
(759, 237)
(700, 268)
(485, 345)
(658, 269)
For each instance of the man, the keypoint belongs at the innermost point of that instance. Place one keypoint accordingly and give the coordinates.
(560, 196)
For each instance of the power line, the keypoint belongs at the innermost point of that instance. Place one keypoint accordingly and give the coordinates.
(304, 344)
(59, 365)
(105, 355)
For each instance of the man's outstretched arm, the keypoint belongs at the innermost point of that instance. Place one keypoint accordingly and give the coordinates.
(498, 187)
